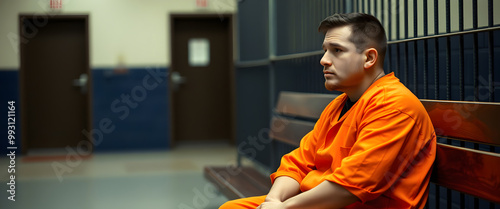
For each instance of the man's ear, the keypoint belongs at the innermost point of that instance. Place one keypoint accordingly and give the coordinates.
(371, 57)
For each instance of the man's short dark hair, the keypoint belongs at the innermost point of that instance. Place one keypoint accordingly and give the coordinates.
(367, 31)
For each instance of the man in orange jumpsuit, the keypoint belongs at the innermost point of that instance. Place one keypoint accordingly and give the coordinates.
(372, 147)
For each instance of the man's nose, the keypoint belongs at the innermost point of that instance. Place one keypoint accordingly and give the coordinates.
(325, 61)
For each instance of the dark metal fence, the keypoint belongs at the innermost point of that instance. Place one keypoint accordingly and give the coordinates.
(440, 49)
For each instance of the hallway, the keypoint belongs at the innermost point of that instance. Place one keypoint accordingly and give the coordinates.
(157, 179)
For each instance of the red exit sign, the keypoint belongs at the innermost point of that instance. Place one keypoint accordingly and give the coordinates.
(56, 4)
(201, 3)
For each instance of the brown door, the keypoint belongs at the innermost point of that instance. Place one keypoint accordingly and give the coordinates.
(201, 78)
(55, 105)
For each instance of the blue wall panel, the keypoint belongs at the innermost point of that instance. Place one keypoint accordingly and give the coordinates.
(140, 123)
(136, 102)
(9, 91)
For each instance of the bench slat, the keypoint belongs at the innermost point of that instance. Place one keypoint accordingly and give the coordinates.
(238, 183)
(469, 171)
(461, 120)
(303, 104)
(289, 131)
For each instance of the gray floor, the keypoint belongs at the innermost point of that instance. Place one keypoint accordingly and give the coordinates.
(168, 179)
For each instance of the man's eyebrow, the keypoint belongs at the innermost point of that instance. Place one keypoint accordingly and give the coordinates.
(332, 45)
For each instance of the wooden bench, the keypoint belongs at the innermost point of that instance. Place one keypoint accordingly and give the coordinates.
(474, 171)
(294, 116)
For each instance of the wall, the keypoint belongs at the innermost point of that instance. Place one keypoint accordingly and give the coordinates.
(136, 30)
(132, 33)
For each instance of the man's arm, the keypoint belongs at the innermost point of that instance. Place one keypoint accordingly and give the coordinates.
(283, 188)
(325, 195)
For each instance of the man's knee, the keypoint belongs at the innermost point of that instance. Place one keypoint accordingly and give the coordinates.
(245, 203)
(231, 205)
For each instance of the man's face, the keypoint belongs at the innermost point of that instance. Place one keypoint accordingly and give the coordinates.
(343, 65)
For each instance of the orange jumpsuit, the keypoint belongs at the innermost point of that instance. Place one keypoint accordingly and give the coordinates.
(381, 150)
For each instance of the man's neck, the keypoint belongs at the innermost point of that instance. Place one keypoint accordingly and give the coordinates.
(368, 81)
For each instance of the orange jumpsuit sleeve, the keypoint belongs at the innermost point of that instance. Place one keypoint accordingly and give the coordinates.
(299, 162)
(386, 143)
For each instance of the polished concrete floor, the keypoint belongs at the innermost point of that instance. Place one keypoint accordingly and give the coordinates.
(157, 179)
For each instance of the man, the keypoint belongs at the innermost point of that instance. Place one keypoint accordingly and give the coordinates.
(372, 147)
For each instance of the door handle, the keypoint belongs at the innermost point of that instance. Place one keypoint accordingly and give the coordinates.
(81, 82)
(177, 80)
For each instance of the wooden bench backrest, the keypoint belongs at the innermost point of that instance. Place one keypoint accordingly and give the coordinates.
(471, 171)
(295, 115)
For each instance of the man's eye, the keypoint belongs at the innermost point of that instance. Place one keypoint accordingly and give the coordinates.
(338, 50)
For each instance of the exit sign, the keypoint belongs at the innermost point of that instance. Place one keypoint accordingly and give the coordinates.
(201, 3)
(56, 4)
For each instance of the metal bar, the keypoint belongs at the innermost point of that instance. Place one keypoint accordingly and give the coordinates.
(344, 6)
(369, 7)
(490, 13)
(446, 35)
(396, 69)
(461, 50)
(436, 69)
(438, 197)
(448, 16)
(406, 63)
(448, 56)
(448, 198)
(382, 19)
(272, 23)
(448, 68)
(491, 59)
(491, 65)
(389, 58)
(254, 63)
(398, 31)
(415, 75)
(415, 18)
(296, 55)
(362, 6)
(415, 55)
(389, 21)
(474, 14)
(406, 54)
(426, 18)
(303, 23)
(436, 50)
(426, 68)
(388, 33)
(406, 18)
(475, 51)
(462, 200)
(436, 17)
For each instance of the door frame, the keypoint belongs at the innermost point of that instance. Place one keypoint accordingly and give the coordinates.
(22, 73)
(230, 66)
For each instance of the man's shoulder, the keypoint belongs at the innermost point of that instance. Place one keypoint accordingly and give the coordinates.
(394, 96)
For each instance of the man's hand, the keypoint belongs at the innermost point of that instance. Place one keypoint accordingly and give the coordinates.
(271, 203)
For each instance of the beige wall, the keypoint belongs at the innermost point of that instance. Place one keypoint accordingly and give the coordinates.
(137, 30)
